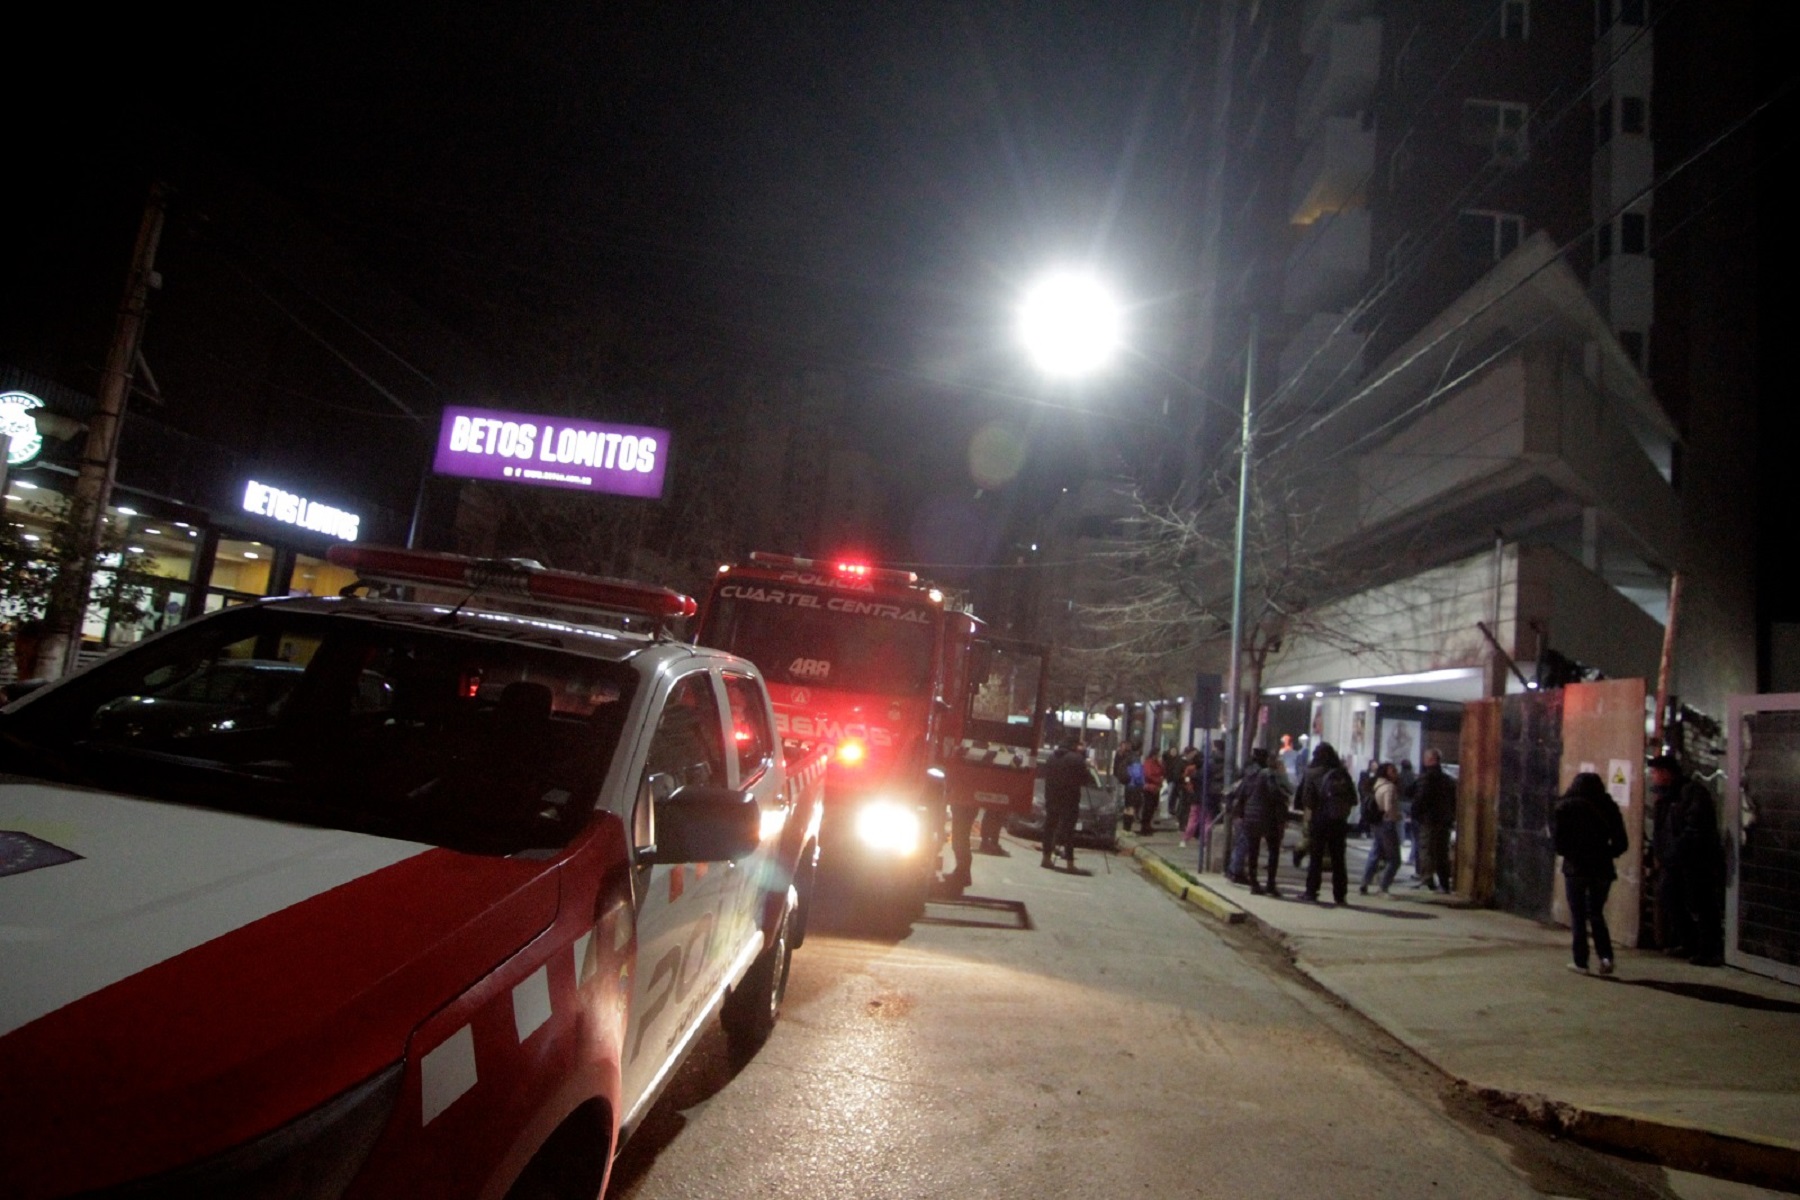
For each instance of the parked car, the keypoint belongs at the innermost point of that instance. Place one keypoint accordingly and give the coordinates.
(1096, 821)
(438, 916)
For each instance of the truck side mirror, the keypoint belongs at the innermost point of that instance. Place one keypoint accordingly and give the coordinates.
(707, 824)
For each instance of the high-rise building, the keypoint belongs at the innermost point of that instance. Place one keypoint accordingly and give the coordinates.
(1501, 255)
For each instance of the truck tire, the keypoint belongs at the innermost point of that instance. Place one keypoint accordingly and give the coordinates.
(751, 1009)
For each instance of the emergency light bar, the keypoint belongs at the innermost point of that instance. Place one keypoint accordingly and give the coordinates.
(849, 570)
(518, 577)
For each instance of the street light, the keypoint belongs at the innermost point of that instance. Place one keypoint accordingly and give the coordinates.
(1070, 324)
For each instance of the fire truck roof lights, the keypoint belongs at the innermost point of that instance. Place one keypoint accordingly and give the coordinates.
(512, 577)
(852, 570)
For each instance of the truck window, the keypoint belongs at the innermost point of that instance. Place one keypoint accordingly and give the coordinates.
(688, 744)
(750, 734)
(860, 645)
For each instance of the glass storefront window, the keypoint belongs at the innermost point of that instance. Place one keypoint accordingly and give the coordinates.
(242, 567)
(316, 577)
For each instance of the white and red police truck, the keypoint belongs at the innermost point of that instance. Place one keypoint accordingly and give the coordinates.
(918, 703)
(353, 897)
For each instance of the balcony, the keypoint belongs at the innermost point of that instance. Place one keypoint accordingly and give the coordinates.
(1623, 168)
(1327, 268)
(1343, 75)
(1335, 171)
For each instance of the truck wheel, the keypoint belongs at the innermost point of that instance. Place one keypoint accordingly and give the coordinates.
(750, 1010)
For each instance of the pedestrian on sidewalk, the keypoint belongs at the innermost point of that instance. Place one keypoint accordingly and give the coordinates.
(1262, 807)
(1435, 811)
(1699, 862)
(1589, 833)
(1328, 797)
(1674, 926)
(1152, 765)
(1385, 825)
(1064, 776)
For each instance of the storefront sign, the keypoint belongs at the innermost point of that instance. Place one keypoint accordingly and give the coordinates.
(590, 456)
(17, 425)
(289, 509)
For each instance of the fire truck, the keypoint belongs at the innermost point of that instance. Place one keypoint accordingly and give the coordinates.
(918, 706)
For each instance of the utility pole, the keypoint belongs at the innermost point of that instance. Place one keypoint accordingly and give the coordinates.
(99, 461)
(1234, 751)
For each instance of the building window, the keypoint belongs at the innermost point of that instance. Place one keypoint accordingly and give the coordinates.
(1499, 125)
(1603, 125)
(1515, 19)
(1634, 115)
(1603, 243)
(1631, 12)
(1488, 236)
(1634, 233)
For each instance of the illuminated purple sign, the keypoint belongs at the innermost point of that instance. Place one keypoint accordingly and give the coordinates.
(589, 456)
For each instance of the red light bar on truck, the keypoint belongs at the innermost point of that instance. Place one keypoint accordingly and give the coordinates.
(848, 570)
(513, 577)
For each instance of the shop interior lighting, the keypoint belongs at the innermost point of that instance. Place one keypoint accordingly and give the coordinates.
(154, 532)
(23, 486)
(31, 537)
(135, 550)
(1380, 682)
(126, 512)
(251, 554)
(1424, 707)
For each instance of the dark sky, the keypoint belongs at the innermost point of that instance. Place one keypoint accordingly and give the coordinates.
(840, 183)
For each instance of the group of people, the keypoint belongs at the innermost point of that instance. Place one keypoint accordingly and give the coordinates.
(1381, 804)
(1150, 780)
(1588, 831)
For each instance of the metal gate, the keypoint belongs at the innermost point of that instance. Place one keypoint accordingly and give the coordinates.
(1762, 826)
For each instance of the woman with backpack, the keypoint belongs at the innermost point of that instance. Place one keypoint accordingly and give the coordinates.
(1328, 797)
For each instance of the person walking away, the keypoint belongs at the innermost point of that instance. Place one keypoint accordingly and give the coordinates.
(1384, 853)
(1328, 797)
(1589, 833)
(1129, 772)
(1064, 777)
(1368, 815)
(1435, 811)
(1409, 792)
(1701, 861)
(1153, 785)
(1183, 774)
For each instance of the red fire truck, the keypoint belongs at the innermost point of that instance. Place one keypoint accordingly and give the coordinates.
(919, 706)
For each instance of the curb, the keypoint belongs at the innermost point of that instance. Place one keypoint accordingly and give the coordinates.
(1757, 1161)
(1187, 890)
(1761, 1162)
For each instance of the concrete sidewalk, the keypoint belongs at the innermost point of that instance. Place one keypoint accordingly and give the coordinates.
(1694, 1068)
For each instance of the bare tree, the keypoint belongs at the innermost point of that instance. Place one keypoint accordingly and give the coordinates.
(1168, 589)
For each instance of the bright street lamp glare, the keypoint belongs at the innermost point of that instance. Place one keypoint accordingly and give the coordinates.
(1070, 324)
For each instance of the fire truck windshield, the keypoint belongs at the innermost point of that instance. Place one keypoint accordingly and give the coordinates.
(825, 640)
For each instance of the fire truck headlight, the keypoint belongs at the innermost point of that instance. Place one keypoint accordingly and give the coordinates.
(889, 826)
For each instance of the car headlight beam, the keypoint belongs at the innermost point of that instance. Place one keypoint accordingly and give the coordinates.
(889, 826)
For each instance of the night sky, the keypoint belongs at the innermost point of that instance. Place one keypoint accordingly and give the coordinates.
(855, 186)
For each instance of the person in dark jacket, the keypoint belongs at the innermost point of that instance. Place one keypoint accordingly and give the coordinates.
(1590, 833)
(1699, 864)
(1064, 777)
(1328, 797)
(1261, 806)
(1674, 926)
(1434, 808)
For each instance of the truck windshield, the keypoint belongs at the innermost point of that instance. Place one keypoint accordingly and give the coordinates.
(825, 639)
(385, 726)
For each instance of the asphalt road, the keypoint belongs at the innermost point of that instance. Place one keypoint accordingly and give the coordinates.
(1057, 1034)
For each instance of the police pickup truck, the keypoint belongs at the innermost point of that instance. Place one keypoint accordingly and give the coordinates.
(355, 897)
